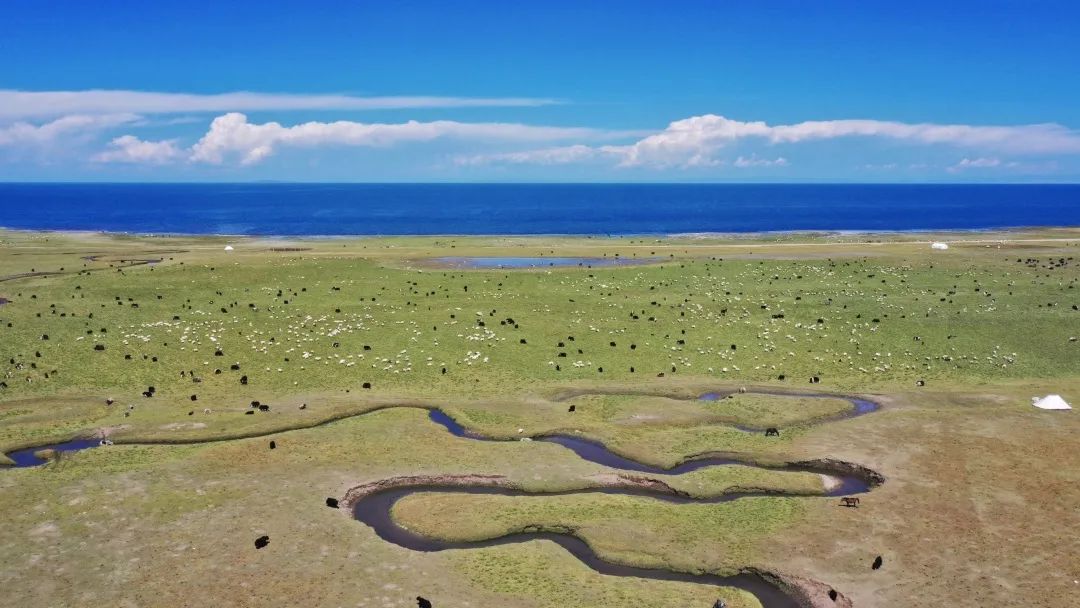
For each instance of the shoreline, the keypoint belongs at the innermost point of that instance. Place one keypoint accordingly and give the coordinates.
(813, 233)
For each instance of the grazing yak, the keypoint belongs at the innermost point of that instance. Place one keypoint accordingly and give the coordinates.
(572, 408)
(832, 594)
(421, 602)
(772, 432)
(262, 541)
(877, 563)
(332, 503)
(273, 444)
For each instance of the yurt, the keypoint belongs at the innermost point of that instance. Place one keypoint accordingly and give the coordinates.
(1050, 402)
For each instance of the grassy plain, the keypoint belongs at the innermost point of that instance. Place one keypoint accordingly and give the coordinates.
(980, 485)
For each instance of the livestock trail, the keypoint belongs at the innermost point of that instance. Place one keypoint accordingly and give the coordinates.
(120, 264)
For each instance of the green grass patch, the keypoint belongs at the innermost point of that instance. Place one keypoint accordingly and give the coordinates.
(633, 530)
(552, 578)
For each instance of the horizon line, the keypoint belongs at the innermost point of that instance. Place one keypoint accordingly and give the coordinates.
(824, 182)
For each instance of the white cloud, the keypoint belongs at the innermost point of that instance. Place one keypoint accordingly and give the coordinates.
(691, 139)
(980, 163)
(753, 161)
(24, 134)
(131, 149)
(231, 135)
(974, 163)
(546, 156)
(40, 104)
(700, 141)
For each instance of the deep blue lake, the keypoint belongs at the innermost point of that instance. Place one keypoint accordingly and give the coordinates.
(374, 209)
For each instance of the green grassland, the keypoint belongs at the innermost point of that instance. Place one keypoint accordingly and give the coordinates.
(857, 323)
(985, 325)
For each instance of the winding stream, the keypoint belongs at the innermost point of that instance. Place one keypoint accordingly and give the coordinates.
(375, 507)
(374, 510)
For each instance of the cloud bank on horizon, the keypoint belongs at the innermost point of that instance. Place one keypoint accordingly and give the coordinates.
(103, 128)
(39, 104)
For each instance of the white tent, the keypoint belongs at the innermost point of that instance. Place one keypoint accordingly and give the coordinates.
(942, 246)
(228, 248)
(1050, 402)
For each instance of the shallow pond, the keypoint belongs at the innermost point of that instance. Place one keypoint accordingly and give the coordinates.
(26, 458)
(538, 262)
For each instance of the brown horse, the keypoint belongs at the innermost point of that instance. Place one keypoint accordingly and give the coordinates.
(850, 501)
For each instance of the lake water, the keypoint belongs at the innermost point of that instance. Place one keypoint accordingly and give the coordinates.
(388, 209)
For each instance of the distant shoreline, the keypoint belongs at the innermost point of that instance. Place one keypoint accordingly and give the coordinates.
(741, 236)
(683, 211)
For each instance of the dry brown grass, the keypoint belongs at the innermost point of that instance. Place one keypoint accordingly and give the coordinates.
(981, 497)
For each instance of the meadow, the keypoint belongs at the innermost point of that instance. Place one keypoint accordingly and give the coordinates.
(162, 344)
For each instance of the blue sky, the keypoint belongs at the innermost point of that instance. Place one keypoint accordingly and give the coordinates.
(552, 91)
